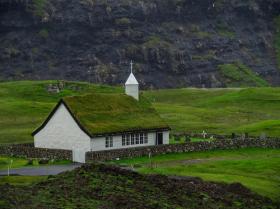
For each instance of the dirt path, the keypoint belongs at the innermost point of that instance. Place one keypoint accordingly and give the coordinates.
(40, 171)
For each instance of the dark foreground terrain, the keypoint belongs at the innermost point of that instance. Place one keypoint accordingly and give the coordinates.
(102, 186)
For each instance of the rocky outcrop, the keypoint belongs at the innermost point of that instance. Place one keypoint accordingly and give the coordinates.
(174, 43)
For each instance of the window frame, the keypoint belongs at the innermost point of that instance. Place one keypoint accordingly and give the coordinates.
(127, 139)
(137, 138)
(108, 141)
(132, 138)
(146, 138)
(123, 140)
(141, 138)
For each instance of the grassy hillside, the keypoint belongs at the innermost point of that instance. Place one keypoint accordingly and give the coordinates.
(25, 104)
(253, 110)
(256, 168)
(100, 186)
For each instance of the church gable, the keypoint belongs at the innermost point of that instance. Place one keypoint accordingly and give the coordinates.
(61, 131)
(61, 114)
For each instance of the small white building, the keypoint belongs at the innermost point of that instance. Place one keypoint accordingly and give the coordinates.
(96, 122)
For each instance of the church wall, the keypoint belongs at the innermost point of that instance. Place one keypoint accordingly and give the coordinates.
(98, 143)
(132, 90)
(62, 132)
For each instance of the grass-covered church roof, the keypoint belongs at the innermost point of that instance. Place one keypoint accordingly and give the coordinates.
(99, 114)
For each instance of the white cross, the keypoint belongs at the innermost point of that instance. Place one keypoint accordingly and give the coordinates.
(131, 66)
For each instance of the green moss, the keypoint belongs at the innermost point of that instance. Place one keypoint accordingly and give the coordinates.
(204, 57)
(44, 33)
(155, 42)
(123, 21)
(38, 7)
(238, 75)
(277, 40)
(195, 29)
(109, 113)
(224, 30)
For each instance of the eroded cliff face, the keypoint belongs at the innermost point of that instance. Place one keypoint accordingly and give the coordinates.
(174, 43)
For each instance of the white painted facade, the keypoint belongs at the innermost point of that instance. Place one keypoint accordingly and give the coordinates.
(132, 90)
(99, 143)
(62, 132)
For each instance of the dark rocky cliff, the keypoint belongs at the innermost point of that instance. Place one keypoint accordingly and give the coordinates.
(174, 43)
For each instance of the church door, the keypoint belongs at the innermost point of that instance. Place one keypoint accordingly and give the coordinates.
(159, 138)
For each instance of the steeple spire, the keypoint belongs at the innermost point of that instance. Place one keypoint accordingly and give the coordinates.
(131, 84)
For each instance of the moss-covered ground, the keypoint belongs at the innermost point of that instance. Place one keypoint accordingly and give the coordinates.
(111, 113)
(101, 186)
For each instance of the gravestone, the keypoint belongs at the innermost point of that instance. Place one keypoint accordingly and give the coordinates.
(263, 136)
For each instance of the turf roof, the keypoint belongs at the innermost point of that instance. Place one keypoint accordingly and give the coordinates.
(100, 114)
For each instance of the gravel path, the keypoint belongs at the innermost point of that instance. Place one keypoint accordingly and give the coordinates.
(41, 171)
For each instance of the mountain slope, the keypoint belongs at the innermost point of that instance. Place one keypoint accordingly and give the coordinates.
(174, 43)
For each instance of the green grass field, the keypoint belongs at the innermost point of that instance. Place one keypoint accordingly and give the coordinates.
(21, 180)
(15, 162)
(220, 111)
(25, 104)
(256, 168)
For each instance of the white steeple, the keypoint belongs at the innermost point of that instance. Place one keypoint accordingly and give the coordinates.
(132, 85)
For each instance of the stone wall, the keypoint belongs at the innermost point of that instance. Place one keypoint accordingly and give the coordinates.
(187, 147)
(29, 151)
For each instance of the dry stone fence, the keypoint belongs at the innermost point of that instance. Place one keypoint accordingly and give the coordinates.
(186, 147)
(29, 151)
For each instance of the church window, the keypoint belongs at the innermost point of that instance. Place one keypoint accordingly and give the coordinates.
(141, 138)
(132, 139)
(109, 141)
(145, 138)
(127, 139)
(137, 139)
(123, 140)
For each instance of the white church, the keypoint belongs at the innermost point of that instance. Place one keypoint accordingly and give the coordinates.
(96, 122)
